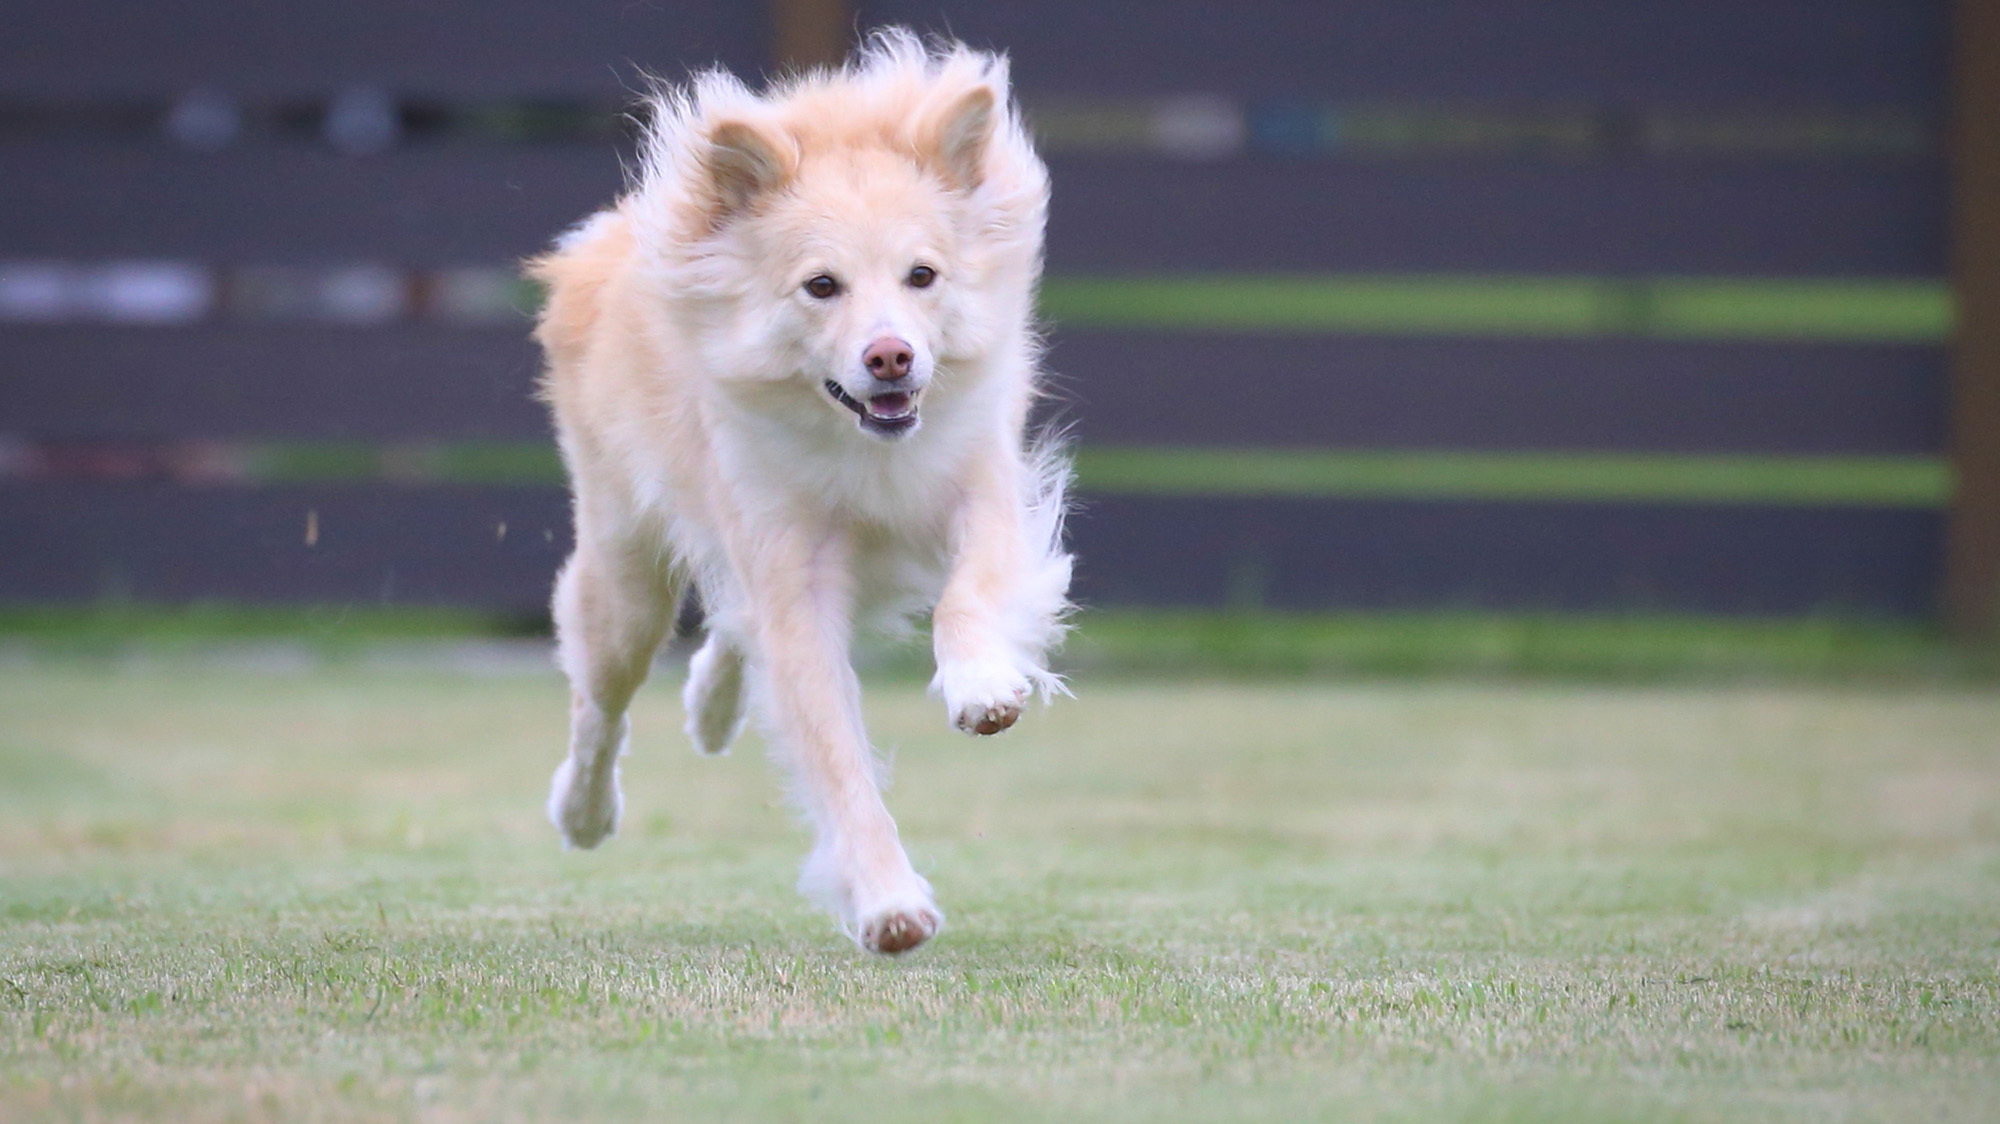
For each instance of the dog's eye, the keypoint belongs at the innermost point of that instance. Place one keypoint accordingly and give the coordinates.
(922, 276)
(822, 287)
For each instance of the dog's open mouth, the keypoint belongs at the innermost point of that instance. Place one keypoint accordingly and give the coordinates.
(889, 415)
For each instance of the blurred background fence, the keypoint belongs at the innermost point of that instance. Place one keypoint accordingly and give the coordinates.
(1516, 304)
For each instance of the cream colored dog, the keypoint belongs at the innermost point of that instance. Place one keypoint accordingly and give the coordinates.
(792, 367)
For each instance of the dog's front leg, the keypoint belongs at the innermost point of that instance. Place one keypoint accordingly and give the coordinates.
(797, 600)
(1000, 607)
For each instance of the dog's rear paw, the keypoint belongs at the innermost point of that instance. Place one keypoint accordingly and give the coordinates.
(982, 698)
(583, 807)
(900, 930)
(714, 696)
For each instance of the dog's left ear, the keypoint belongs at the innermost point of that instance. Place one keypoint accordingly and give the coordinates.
(744, 162)
(960, 135)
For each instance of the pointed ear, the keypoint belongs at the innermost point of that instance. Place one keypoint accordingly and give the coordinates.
(963, 132)
(744, 162)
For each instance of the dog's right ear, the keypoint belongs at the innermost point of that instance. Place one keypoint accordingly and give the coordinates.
(744, 162)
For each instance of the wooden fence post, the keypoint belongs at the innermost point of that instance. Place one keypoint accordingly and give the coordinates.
(810, 32)
(1971, 592)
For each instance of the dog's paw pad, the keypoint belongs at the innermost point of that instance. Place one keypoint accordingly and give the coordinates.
(982, 698)
(993, 719)
(992, 715)
(900, 931)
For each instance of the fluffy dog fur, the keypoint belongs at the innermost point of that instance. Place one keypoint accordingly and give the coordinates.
(709, 344)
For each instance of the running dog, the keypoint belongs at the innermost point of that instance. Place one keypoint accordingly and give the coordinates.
(792, 369)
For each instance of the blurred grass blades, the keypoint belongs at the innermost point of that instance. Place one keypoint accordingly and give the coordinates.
(330, 895)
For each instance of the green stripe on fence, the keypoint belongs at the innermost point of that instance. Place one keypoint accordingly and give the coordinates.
(452, 462)
(1683, 308)
(1914, 482)
(1895, 311)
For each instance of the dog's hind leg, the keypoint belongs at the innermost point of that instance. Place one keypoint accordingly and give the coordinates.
(612, 609)
(713, 696)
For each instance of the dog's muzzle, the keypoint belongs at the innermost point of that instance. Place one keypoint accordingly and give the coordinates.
(891, 413)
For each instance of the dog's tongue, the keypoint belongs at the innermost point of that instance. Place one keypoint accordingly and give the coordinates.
(889, 406)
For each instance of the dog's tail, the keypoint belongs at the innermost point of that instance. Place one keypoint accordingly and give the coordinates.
(571, 276)
(1042, 606)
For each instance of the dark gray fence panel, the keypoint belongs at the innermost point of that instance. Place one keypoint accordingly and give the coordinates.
(451, 203)
(1865, 52)
(444, 545)
(436, 545)
(1693, 52)
(1640, 218)
(1613, 394)
(433, 204)
(497, 48)
(269, 381)
(1356, 554)
(451, 199)
(416, 382)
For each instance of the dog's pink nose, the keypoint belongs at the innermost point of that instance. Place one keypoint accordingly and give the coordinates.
(887, 358)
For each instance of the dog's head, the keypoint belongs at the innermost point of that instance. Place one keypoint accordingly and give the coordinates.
(869, 236)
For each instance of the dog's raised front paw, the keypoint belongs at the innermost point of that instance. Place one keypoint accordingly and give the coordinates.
(992, 719)
(900, 929)
(983, 698)
(584, 805)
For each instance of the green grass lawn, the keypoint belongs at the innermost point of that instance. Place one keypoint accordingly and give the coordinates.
(241, 892)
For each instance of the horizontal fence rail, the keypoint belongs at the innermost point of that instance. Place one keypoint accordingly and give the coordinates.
(1352, 391)
(497, 547)
(1912, 482)
(369, 120)
(325, 381)
(449, 204)
(1694, 52)
(90, 49)
(1861, 310)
